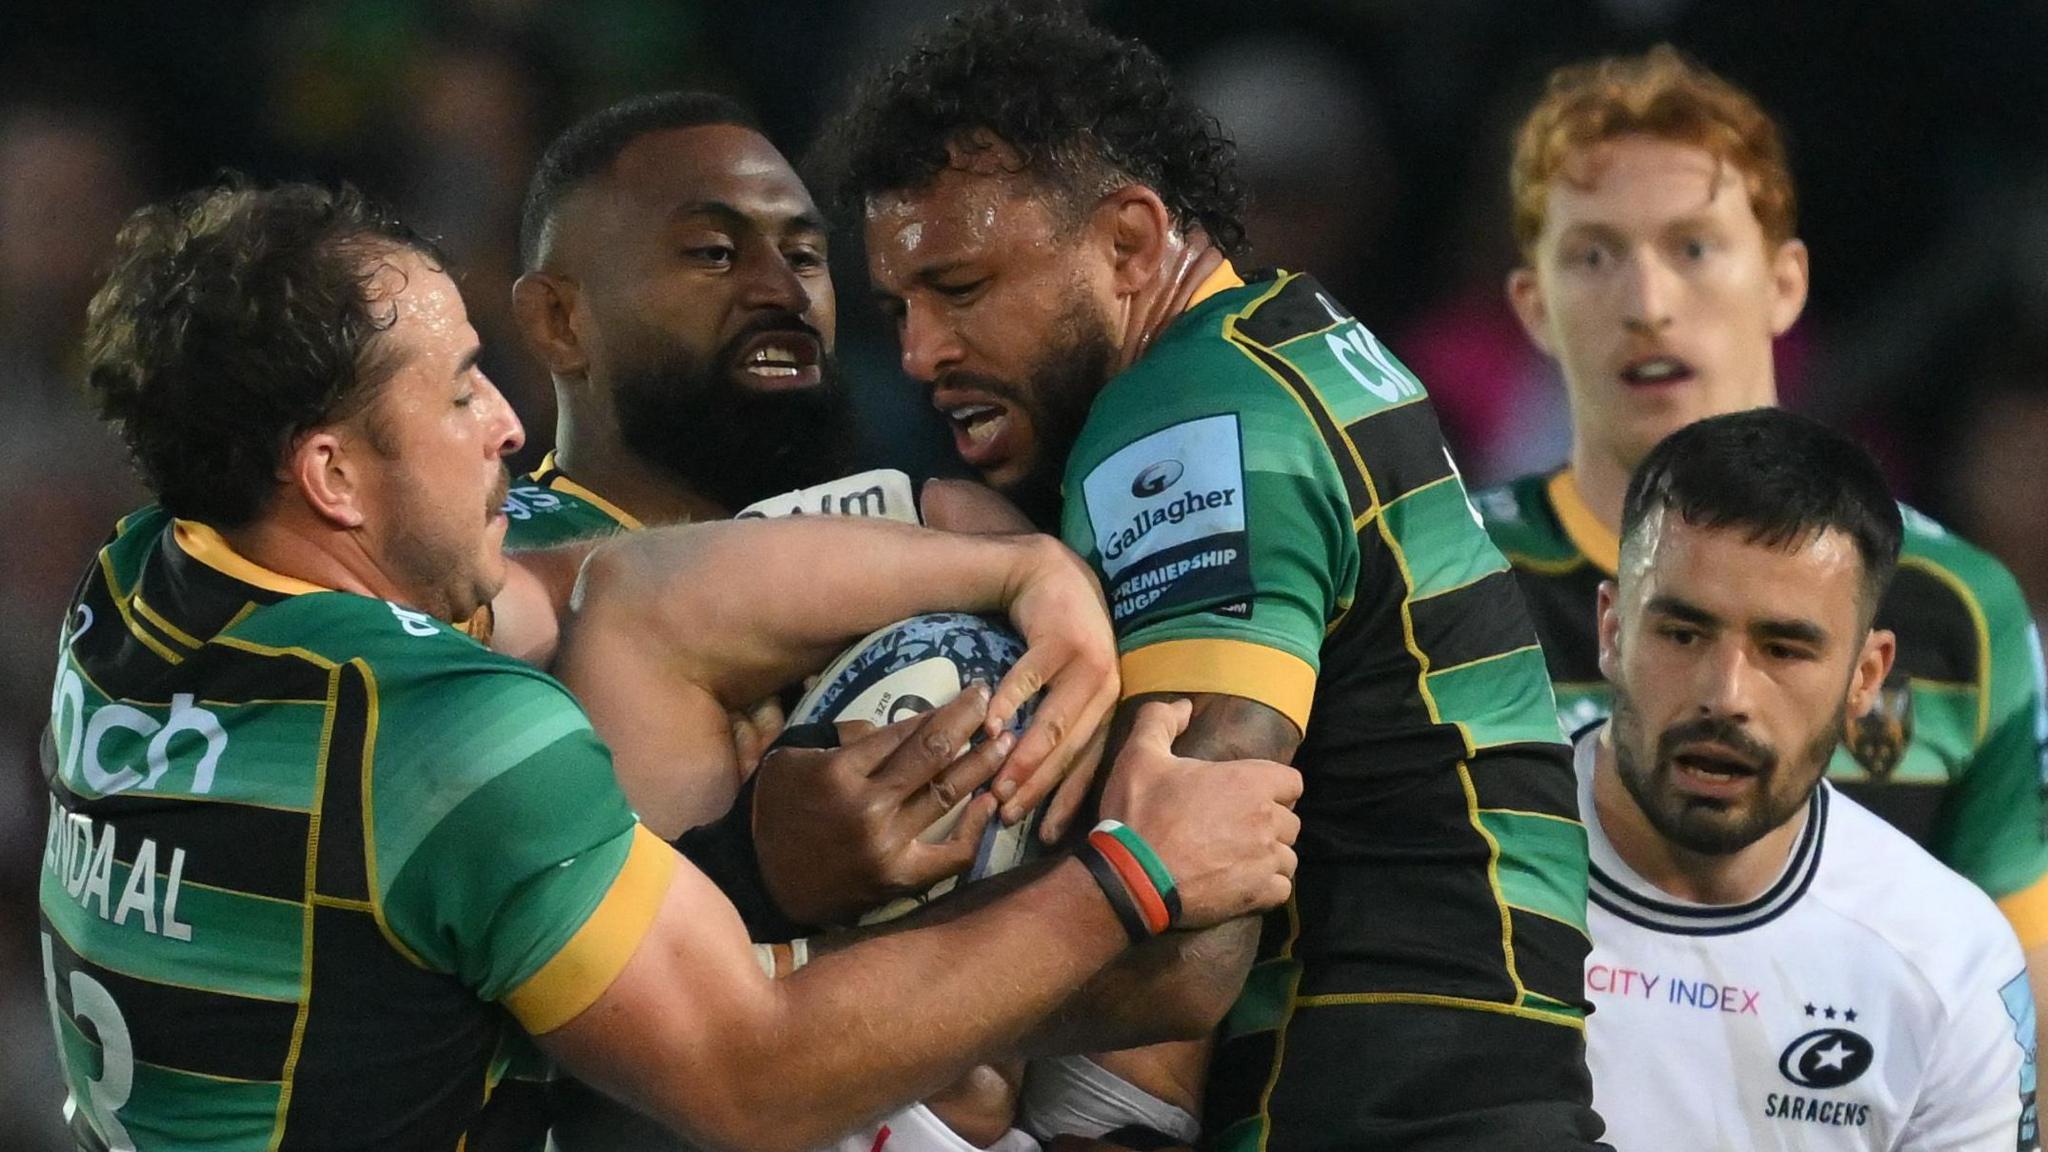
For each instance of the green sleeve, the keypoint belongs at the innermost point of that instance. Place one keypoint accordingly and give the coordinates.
(499, 824)
(1206, 500)
(1991, 825)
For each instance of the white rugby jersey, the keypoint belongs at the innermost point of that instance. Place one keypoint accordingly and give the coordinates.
(1869, 999)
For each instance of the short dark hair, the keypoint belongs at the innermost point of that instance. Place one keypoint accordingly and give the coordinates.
(1085, 110)
(589, 146)
(236, 318)
(1781, 477)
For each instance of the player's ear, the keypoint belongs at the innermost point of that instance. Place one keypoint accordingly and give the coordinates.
(326, 467)
(1788, 285)
(544, 305)
(1607, 611)
(1139, 229)
(1873, 664)
(1525, 293)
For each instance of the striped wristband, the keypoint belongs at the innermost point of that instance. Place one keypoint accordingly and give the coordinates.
(1146, 884)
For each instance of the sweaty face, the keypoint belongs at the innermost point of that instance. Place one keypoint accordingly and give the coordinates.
(708, 312)
(438, 434)
(1733, 664)
(1654, 287)
(1002, 306)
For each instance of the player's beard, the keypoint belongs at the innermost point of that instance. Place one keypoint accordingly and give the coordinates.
(1055, 396)
(1782, 788)
(730, 443)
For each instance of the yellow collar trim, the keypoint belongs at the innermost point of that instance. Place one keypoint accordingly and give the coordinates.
(1581, 527)
(210, 548)
(562, 483)
(1223, 279)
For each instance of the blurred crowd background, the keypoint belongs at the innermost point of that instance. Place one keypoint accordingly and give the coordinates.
(1374, 134)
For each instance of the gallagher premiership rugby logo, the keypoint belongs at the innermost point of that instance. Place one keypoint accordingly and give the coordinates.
(1168, 516)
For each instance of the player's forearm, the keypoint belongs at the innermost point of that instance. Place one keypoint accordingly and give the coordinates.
(1177, 987)
(897, 1017)
(747, 606)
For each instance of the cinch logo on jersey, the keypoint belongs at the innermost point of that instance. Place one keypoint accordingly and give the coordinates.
(98, 742)
(1168, 514)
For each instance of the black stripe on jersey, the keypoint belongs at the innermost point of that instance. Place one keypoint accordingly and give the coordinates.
(109, 643)
(237, 675)
(238, 847)
(1299, 308)
(1937, 634)
(1355, 489)
(210, 1033)
(1659, 915)
(342, 869)
(1524, 778)
(1434, 1078)
(1239, 1071)
(393, 1055)
(1465, 624)
(206, 599)
(1563, 608)
(1404, 448)
(1550, 957)
(1417, 916)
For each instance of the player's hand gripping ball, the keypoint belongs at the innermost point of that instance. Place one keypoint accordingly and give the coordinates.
(912, 667)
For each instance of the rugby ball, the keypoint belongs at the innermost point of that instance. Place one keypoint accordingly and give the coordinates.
(912, 667)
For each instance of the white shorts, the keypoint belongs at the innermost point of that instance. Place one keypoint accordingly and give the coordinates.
(916, 1129)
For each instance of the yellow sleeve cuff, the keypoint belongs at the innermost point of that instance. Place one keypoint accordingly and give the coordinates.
(1280, 680)
(2028, 911)
(586, 965)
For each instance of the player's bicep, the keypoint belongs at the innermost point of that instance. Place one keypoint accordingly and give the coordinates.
(671, 740)
(657, 1033)
(1224, 727)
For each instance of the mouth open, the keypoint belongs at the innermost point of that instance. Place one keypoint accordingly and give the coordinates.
(1656, 371)
(779, 361)
(1714, 771)
(983, 427)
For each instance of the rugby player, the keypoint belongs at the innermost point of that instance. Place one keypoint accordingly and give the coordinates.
(1286, 543)
(1774, 966)
(1656, 218)
(313, 851)
(677, 290)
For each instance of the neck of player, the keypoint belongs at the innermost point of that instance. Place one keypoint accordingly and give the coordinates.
(1696, 877)
(590, 453)
(1185, 261)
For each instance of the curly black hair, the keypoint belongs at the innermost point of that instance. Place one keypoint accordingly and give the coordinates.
(1085, 110)
(236, 318)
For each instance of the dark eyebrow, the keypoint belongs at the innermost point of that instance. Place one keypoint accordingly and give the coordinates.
(1799, 631)
(805, 221)
(468, 361)
(1683, 610)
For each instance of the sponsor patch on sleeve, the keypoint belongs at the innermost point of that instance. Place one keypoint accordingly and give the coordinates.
(1168, 513)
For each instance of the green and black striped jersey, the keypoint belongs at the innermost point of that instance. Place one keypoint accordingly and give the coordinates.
(1954, 753)
(310, 856)
(1270, 504)
(545, 508)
